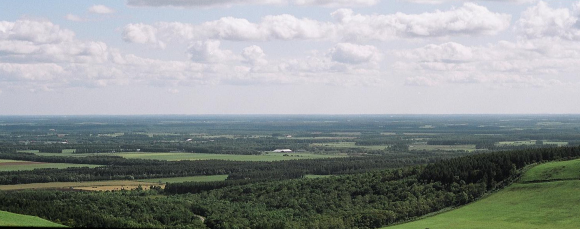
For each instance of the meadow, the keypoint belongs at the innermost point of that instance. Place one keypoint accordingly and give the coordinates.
(421, 147)
(186, 179)
(546, 204)
(14, 165)
(348, 145)
(8, 219)
(268, 156)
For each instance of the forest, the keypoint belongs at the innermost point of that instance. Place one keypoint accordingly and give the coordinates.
(384, 170)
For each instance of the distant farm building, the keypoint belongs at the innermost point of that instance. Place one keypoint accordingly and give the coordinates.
(283, 151)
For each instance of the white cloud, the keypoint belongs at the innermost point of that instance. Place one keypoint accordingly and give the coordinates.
(209, 51)
(540, 62)
(229, 3)
(469, 19)
(354, 54)
(447, 52)
(72, 17)
(444, 1)
(541, 21)
(101, 9)
(254, 55)
(34, 31)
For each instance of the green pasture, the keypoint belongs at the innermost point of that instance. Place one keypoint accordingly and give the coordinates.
(426, 147)
(270, 156)
(31, 166)
(186, 179)
(548, 204)
(516, 143)
(311, 176)
(232, 157)
(8, 219)
(558, 170)
(348, 145)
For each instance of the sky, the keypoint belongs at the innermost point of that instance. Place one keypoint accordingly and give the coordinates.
(289, 57)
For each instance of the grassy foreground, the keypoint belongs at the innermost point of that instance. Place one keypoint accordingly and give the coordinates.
(547, 204)
(8, 219)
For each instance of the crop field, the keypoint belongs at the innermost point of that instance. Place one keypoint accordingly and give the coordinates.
(203, 156)
(8, 219)
(13, 165)
(186, 179)
(91, 186)
(233, 157)
(548, 204)
(348, 145)
(426, 147)
(310, 176)
(516, 143)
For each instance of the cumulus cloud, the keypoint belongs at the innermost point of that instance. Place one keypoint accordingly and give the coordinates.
(354, 54)
(469, 19)
(101, 9)
(539, 62)
(254, 55)
(444, 1)
(209, 51)
(542, 21)
(229, 3)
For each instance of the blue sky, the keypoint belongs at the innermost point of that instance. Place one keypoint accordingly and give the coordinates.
(289, 57)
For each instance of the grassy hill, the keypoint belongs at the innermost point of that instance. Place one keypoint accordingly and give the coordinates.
(8, 219)
(546, 197)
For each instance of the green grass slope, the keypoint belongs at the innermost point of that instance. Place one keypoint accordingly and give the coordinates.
(559, 170)
(8, 219)
(548, 204)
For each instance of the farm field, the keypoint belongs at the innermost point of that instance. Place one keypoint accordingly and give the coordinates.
(348, 145)
(233, 157)
(311, 176)
(548, 204)
(420, 147)
(186, 179)
(91, 186)
(14, 165)
(8, 219)
(203, 156)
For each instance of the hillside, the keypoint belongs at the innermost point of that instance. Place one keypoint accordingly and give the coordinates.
(8, 219)
(545, 197)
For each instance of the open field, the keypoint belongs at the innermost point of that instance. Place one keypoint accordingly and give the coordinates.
(549, 204)
(516, 143)
(92, 185)
(14, 165)
(348, 145)
(203, 156)
(558, 170)
(316, 176)
(186, 179)
(442, 147)
(8, 219)
(113, 184)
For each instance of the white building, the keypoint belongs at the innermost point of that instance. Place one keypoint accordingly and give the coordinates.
(283, 151)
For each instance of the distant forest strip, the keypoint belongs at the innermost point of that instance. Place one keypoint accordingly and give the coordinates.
(364, 200)
(118, 168)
